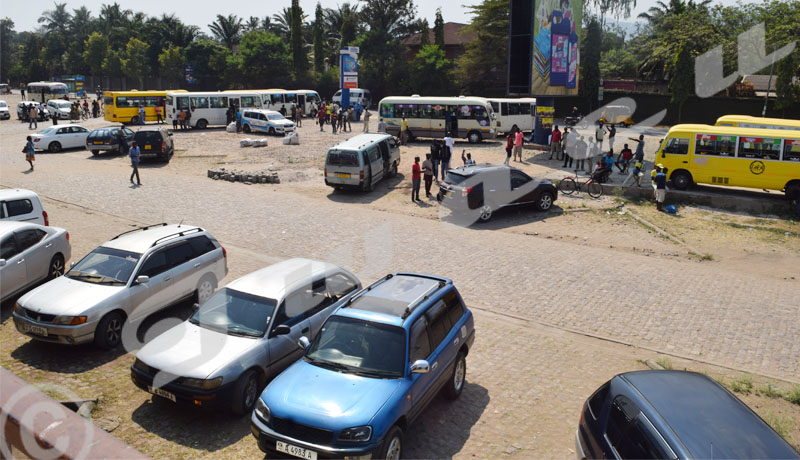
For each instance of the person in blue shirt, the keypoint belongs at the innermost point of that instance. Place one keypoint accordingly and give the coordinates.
(134, 154)
(661, 187)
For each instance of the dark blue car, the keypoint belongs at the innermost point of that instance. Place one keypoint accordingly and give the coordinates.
(372, 369)
(670, 415)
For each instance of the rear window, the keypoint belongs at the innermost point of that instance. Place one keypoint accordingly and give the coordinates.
(19, 207)
(148, 136)
(343, 158)
(597, 400)
(455, 179)
(100, 133)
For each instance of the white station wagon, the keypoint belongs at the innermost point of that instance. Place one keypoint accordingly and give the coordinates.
(133, 275)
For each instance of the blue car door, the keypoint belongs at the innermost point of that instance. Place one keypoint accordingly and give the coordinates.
(419, 348)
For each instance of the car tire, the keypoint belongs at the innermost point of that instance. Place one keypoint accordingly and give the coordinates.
(246, 129)
(485, 213)
(54, 147)
(205, 288)
(455, 385)
(681, 180)
(56, 267)
(109, 331)
(392, 448)
(245, 393)
(95, 152)
(545, 201)
(271, 131)
(474, 137)
(135, 120)
(202, 124)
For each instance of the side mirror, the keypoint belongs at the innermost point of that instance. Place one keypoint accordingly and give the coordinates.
(142, 279)
(71, 264)
(302, 342)
(2, 262)
(420, 366)
(195, 306)
(281, 330)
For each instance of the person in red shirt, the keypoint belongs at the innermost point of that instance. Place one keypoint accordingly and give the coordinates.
(416, 173)
(321, 118)
(624, 159)
(555, 142)
(509, 147)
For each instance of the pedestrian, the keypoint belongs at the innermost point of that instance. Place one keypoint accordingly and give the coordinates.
(518, 139)
(599, 134)
(415, 179)
(30, 152)
(639, 155)
(367, 114)
(381, 126)
(159, 118)
(229, 115)
(188, 119)
(182, 119)
(625, 157)
(238, 117)
(468, 161)
(134, 154)
(328, 111)
(174, 120)
(403, 131)
(122, 141)
(299, 117)
(448, 121)
(33, 115)
(321, 118)
(509, 148)
(95, 108)
(612, 132)
(141, 115)
(567, 146)
(22, 92)
(661, 187)
(446, 149)
(333, 121)
(427, 169)
(555, 142)
(581, 147)
(436, 157)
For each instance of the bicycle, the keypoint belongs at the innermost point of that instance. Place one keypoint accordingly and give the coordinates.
(569, 184)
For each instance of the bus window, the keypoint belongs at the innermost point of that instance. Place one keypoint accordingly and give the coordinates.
(474, 112)
(495, 106)
(526, 109)
(218, 102)
(183, 103)
(109, 101)
(200, 102)
(677, 146)
(152, 101)
(248, 101)
(387, 110)
(791, 150)
(290, 98)
(759, 147)
(276, 98)
(122, 101)
(710, 144)
(406, 110)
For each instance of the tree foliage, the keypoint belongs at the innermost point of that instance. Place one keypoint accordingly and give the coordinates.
(171, 61)
(590, 62)
(681, 83)
(95, 51)
(431, 72)
(133, 64)
(482, 68)
(438, 29)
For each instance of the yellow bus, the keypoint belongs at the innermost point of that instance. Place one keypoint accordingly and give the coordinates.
(746, 121)
(732, 156)
(123, 106)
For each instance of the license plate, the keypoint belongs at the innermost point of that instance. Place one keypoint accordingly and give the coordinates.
(343, 176)
(295, 451)
(98, 142)
(35, 329)
(160, 392)
(148, 147)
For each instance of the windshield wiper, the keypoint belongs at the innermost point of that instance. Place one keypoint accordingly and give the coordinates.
(330, 365)
(235, 330)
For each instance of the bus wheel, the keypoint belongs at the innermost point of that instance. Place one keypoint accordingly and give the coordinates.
(135, 120)
(202, 124)
(474, 137)
(681, 180)
(792, 191)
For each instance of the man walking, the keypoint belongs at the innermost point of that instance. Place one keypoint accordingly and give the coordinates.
(30, 152)
(518, 139)
(134, 154)
(427, 169)
(321, 118)
(403, 131)
(612, 132)
(367, 114)
(33, 115)
(141, 115)
(415, 178)
(555, 142)
(449, 145)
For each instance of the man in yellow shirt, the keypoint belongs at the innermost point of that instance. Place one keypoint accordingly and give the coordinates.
(403, 131)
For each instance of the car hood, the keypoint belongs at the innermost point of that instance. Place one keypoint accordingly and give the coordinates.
(188, 350)
(325, 398)
(65, 296)
(281, 122)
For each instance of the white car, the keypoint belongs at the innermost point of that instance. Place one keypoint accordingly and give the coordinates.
(59, 108)
(4, 113)
(22, 205)
(265, 121)
(133, 275)
(59, 137)
(30, 253)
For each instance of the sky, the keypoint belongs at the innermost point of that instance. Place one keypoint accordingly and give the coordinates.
(24, 13)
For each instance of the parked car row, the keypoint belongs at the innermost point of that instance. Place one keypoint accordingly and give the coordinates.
(154, 142)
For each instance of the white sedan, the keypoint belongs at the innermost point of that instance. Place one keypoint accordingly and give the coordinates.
(30, 253)
(58, 137)
(4, 113)
(59, 108)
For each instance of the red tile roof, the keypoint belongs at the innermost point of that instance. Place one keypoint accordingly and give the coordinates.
(452, 35)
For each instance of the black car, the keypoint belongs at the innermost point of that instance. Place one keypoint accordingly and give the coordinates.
(107, 139)
(673, 414)
(154, 143)
(476, 192)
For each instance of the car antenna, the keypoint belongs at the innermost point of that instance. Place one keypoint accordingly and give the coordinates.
(179, 223)
(712, 450)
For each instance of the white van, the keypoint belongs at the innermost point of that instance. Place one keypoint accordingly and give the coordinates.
(361, 161)
(23, 206)
(357, 95)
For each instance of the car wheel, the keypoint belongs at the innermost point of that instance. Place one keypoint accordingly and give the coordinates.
(485, 213)
(135, 120)
(109, 330)
(246, 129)
(474, 137)
(456, 383)
(393, 444)
(545, 201)
(205, 288)
(245, 393)
(202, 124)
(681, 180)
(56, 267)
(54, 147)
(271, 131)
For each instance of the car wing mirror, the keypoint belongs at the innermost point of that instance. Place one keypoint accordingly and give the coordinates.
(420, 366)
(142, 279)
(195, 306)
(2, 262)
(71, 264)
(281, 330)
(303, 342)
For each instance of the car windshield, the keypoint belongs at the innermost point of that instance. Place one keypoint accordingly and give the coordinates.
(454, 179)
(359, 347)
(235, 313)
(3, 104)
(47, 131)
(62, 104)
(343, 158)
(276, 117)
(105, 266)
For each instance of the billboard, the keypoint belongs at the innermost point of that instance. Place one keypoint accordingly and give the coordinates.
(556, 47)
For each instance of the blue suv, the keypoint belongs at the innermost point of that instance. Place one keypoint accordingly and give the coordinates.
(372, 369)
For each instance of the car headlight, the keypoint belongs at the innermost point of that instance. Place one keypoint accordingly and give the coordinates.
(356, 434)
(138, 364)
(202, 384)
(69, 320)
(262, 411)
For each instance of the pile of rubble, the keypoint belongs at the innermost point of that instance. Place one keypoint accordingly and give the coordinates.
(247, 177)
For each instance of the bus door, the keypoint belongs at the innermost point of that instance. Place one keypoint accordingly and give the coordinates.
(675, 153)
(424, 121)
(181, 103)
(301, 102)
(436, 120)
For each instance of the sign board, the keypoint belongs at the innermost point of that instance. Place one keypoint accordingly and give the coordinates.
(348, 72)
(350, 82)
(188, 72)
(556, 47)
(545, 116)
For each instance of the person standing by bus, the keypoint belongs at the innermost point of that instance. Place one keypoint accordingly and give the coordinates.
(182, 119)
(403, 131)
(22, 92)
(447, 154)
(159, 120)
(141, 115)
(661, 187)
(509, 148)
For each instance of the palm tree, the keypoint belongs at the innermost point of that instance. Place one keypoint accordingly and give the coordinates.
(56, 19)
(81, 24)
(227, 29)
(254, 23)
(282, 23)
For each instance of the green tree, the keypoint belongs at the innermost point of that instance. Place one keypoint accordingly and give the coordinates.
(425, 32)
(681, 82)
(618, 63)
(319, 45)
(227, 29)
(6, 47)
(590, 62)
(299, 57)
(171, 61)
(209, 59)
(134, 64)
(482, 67)
(264, 58)
(112, 65)
(788, 94)
(431, 72)
(57, 19)
(438, 29)
(94, 54)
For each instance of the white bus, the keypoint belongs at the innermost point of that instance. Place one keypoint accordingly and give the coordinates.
(514, 114)
(209, 108)
(464, 117)
(46, 90)
(281, 100)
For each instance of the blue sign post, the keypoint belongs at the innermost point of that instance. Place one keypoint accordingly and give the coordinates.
(348, 72)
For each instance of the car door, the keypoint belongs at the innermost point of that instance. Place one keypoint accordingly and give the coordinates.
(376, 163)
(36, 250)
(630, 434)
(422, 385)
(13, 273)
(184, 268)
(62, 136)
(149, 297)
(522, 189)
(79, 134)
(283, 349)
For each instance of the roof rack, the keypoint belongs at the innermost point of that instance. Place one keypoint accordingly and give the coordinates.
(175, 235)
(367, 289)
(421, 299)
(147, 227)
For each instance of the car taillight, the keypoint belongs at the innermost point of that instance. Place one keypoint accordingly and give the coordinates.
(465, 191)
(46, 220)
(361, 174)
(67, 236)
(36, 139)
(163, 146)
(224, 252)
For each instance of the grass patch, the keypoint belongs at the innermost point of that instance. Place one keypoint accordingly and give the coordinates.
(707, 256)
(666, 363)
(793, 395)
(742, 385)
(776, 231)
(780, 423)
(768, 390)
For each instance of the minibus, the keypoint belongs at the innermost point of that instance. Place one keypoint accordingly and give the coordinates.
(470, 118)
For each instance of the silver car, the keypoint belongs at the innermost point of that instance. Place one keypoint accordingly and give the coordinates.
(30, 253)
(243, 336)
(128, 278)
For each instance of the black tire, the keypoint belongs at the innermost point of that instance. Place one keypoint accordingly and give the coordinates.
(56, 268)
(245, 393)
(392, 447)
(567, 186)
(792, 191)
(271, 131)
(202, 124)
(95, 152)
(681, 180)
(455, 385)
(54, 147)
(205, 288)
(545, 201)
(109, 331)
(135, 120)
(246, 129)
(439, 196)
(485, 213)
(594, 189)
(474, 137)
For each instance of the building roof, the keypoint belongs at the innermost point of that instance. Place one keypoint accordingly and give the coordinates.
(452, 35)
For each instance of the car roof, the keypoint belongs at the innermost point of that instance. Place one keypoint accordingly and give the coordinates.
(470, 170)
(264, 111)
(140, 241)
(702, 414)
(16, 193)
(282, 278)
(66, 125)
(8, 226)
(360, 141)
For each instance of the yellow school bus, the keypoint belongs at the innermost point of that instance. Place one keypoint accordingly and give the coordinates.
(746, 121)
(123, 106)
(732, 156)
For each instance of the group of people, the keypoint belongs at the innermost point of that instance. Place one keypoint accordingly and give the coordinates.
(438, 159)
(340, 118)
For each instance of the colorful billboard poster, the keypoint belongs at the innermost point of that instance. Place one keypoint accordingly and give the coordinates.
(349, 65)
(556, 47)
